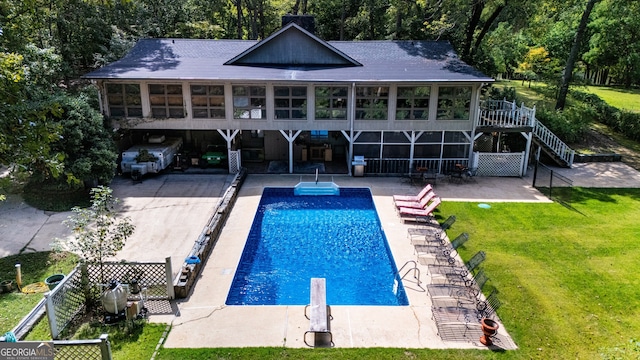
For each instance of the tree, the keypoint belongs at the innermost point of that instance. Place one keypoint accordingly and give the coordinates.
(87, 145)
(573, 56)
(26, 102)
(615, 44)
(536, 65)
(99, 234)
(504, 48)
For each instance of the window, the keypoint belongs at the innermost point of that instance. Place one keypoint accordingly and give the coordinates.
(319, 134)
(456, 145)
(166, 101)
(367, 150)
(412, 103)
(454, 103)
(207, 101)
(124, 100)
(372, 102)
(428, 145)
(249, 102)
(290, 102)
(396, 151)
(331, 102)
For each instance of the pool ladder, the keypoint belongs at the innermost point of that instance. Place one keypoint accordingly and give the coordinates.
(317, 177)
(414, 269)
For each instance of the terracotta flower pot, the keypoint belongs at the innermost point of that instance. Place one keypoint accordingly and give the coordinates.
(6, 286)
(489, 329)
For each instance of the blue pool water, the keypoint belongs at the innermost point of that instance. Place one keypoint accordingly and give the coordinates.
(295, 238)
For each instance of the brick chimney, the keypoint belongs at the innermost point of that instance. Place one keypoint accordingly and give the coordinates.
(306, 22)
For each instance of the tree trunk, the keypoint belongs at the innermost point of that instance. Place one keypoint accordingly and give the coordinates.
(239, 16)
(485, 29)
(372, 28)
(476, 12)
(342, 16)
(573, 56)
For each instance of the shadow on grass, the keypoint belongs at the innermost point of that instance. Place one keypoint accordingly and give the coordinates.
(580, 195)
(56, 197)
(37, 266)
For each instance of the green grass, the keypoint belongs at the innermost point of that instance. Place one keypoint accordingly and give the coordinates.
(129, 340)
(135, 339)
(56, 196)
(623, 99)
(567, 277)
(537, 94)
(35, 268)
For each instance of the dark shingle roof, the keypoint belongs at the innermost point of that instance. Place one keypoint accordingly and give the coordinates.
(393, 61)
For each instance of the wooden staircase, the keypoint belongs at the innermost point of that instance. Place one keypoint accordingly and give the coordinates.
(557, 150)
(503, 115)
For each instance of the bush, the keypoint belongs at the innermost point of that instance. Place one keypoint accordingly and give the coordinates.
(506, 93)
(55, 195)
(569, 125)
(625, 122)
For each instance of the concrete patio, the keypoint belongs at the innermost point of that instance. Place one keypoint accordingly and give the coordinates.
(171, 210)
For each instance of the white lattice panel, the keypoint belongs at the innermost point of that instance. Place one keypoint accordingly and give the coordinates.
(234, 162)
(500, 164)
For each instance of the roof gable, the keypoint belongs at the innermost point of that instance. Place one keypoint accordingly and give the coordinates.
(293, 46)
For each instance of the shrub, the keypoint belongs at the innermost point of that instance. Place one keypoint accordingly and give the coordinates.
(625, 122)
(505, 93)
(569, 125)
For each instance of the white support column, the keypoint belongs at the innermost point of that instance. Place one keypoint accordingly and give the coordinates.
(413, 137)
(146, 102)
(291, 137)
(476, 121)
(228, 136)
(352, 116)
(169, 274)
(529, 137)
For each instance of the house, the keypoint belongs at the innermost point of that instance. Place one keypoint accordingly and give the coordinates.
(294, 99)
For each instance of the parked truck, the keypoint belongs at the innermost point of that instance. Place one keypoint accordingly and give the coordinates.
(156, 155)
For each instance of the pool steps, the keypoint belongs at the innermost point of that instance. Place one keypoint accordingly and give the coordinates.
(316, 188)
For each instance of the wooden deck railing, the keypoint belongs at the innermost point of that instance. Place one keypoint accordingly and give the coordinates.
(505, 114)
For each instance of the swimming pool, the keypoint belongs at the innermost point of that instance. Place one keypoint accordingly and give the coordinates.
(295, 238)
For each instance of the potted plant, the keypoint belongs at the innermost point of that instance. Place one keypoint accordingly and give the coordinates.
(6, 286)
(53, 280)
(145, 156)
(489, 329)
(132, 278)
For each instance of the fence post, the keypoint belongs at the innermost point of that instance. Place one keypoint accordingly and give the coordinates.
(51, 315)
(105, 347)
(169, 274)
(550, 184)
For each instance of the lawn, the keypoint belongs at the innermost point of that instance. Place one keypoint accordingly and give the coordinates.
(623, 99)
(534, 94)
(539, 94)
(567, 277)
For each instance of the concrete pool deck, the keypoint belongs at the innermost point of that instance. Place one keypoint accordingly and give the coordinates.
(170, 211)
(204, 320)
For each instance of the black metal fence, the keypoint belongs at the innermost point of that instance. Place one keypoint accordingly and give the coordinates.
(555, 186)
